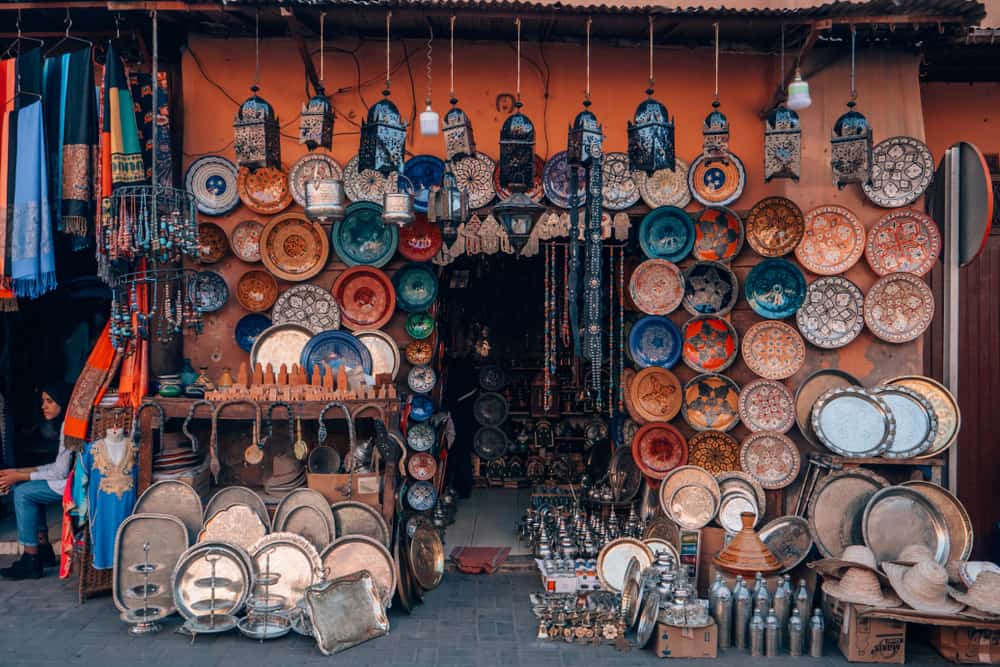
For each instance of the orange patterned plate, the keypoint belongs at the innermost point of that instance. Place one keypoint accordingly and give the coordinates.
(264, 191)
(656, 287)
(421, 466)
(628, 375)
(770, 458)
(899, 308)
(245, 240)
(293, 248)
(256, 291)
(658, 448)
(903, 241)
(774, 226)
(711, 402)
(710, 344)
(714, 451)
(717, 180)
(212, 243)
(366, 297)
(419, 352)
(833, 242)
(655, 394)
(766, 405)
(773, 350)
(718, 234)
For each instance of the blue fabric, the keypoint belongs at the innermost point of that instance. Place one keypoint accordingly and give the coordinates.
(30, 499)
(33, 267)
(106, 507)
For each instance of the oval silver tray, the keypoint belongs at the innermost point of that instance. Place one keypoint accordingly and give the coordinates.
(167, 538)
(191, 580)
(916, 421)
(788, 538)
(853, 422)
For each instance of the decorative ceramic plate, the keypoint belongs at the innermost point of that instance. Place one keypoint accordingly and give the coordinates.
(775, 289)
(421, 408)
(333, 348)
(945, 409)
(774, 226)
(368, 185)
(537, 191)
(264, 191)
(293, 248)
(710, 288)
(256, 291)
(419, 325)
(773, 350)
(555, 180)
(212, 243)
(280, 344)
(419, 352)
(245, 240)
(656, 287)
(654, 341)
(771, 458)
(718, 234)
(814, 386)
(362, 238)
(618, 189)
(658, 448)
(766, 405)
(710, 344)
(903, 241)
(420, 437)
(490, 409)
(311, 167)
(212, 182)
(714, 451)
(489, 443)
(916, 423)
(308, 305)
(248, 328)
(666, 187)
(421, 496)
(717, 180)
(899, 308)
(902, 168)
(833, 242)
(421, 466)
(655, 394)
(423, 173)
(833, 313)
(421, 379)
(474, 175)
(416, 287)
(853, 422)
(366, 297)
(384, 352)
(208, 291)
(666, 233)
(421, 240)
(711, 402)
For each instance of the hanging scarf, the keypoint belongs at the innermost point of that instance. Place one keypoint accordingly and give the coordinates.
(33, 261)
(8, 82)
(135, 367)
(89, 390)
(119, 135)
(145, 112)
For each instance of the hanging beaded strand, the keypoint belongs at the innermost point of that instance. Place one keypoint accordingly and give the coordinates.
(546, 376)
(611, 329)
(553, 321)
(621, 327)
(565, 312)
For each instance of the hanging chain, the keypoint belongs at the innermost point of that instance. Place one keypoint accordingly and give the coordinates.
(587, 93)
(854, 90)
(451, 57)
(256, 48)
(322, 47)
(782, 54)
(716, 26)
(388, 19)
(652, 80)
(517, 23)
(430, 50)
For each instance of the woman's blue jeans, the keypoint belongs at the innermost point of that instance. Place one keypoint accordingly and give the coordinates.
(30, 500)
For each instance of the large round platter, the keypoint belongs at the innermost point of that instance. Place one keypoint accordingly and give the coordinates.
(212, 182)
(773, 350)
(245, 240)
(647, 619)
(711, 402)
(916, 423)
(423, 173)
(208, 291)
(613, 560)
(426, 557)
(714, 451)
(362, 238)
(771, 458)
(309, 306)
(654, 341)
(833, 313)
(333, 348)
(420, 437)
(421, 379)
(618, 188)
(666, 233)
(420, 241)
(717, 180)
(766, 405)
(293, 248)
(489, 443)
(238, 524)
(383, 350)
(775, 289)
(536, 192)
(689, 475)
(853, 422)
(710, 288)
(902, 168)
(789, 539)
(490, 409)
(658, 448)
(897, 517)
(555, 180)
(718, 234)
(899, 308)
(264, 190)
(656, 287)
(949, 418)
(976, 200)
(737, 480)
(665, 187)
(655, 395)
(474, 176)
(293, 559)
(837, 506)
(256, 291)
(833, 242)
(212, 243)
(421, 496)
(419, 325)
(956, 518)
(353, 553)
(733, 506)
(710, 344)
(774, 226)
(298, 499)
(903, 241)
(280, 344)
(814, 386)
(416, 287)
(353, 518)
(692, 507)
(191, 579)
(366, 297)
(311, 167)
(237, 495)
(368, 185)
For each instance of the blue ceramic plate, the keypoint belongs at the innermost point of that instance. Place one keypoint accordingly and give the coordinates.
(421, 408)
(208, 291)
(775, 289)
(421, 496)
(416, 287)
(423, 171)
(331, 348)
(248, 328)
(666, 233)
(212, 182)
(655, 341)
(362, 238)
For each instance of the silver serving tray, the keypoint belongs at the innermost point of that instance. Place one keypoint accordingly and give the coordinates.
(303, 497)
(853, 422)
(837, 507)
(899, 516)
(353, 518)
(733, 505)
(308, 522)
(237, 524)
(352, 553)
(265, 626)
(737, 479)
(384, 351)
(622, 467)
(293, 559)
(956, 517)
(280, 344)
(683, 476)
(647, 619)
(210, 624)
(345, 612)
(789, 539)
(170, 496)
(191, 580)
(818, 383)
(167, 537)
(237, 495)
(916, 421)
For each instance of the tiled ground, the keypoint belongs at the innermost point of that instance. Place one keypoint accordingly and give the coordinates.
(489, 518)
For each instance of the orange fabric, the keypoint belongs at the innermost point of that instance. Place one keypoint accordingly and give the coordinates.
(89, 390)
(8, 301)
(135, 368)
(66, 544)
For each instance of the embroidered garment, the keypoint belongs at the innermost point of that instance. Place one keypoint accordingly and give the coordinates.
(33, 260)
(110, 484)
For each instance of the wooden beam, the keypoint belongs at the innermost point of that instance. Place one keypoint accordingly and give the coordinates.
(298, 30)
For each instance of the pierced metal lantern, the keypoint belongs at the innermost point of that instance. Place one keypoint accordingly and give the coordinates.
(585, 137)
(449, 206)
(257, 138)
(517, 151)
(397, 207)
(458, 139)
(782, 144)
(316, 124)
(651, 137)
(518, 214)
(383, 137)
(851, 148)
(715, 132)
(325, 199)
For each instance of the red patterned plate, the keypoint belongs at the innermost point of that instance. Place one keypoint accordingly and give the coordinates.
(710, 344)
(656, 287)
(766, 405)
(773, 350)
(421, 466)
(658, 448)
(537, 190)
(770, 458)
(212, 243)
(293, 248)
(903, 241)
(714, 451)
(420, 241)
(899, 308)
(264, 191)
(366, 297)
(718, 234)
(774, 226)
(833, 242)
(256, 291)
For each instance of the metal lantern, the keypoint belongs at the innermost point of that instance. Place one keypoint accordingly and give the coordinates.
(257, 138)
(518, 213)
(715, 132)
(585, 137)
(397, 207)
(651, 137)
(316, 125)
(458, 139)
(325, 199)
(782, 144)
(517, 151)
(383, 137)
(449, 206)
(851, 148)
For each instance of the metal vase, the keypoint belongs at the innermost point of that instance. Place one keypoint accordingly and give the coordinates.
(397, 208)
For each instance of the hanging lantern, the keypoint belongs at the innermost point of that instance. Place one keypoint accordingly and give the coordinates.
(397, 207)
(851, 148)
(518, 214)
(782, 144)
(458, 139)
(651, 135)
(517, 151)
(257, 139)
(316, 125)
(448, 205)
(585, 137)
(325, 199)
(383, 137)
(715, 132)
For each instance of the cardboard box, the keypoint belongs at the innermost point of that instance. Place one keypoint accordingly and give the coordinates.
(673, 642)
(864, 639)
(335, 487)
(967, 645)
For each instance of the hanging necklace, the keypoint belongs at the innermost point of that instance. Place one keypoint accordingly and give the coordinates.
(621, 327)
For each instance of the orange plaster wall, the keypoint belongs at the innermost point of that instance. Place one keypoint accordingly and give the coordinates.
(962, 112)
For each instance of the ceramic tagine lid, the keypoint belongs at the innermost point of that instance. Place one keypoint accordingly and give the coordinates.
(747, 554)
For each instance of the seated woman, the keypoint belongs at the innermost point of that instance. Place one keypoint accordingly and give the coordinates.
(36, 488)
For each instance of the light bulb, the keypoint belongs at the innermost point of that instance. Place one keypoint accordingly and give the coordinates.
(430, 121)
(798, 93)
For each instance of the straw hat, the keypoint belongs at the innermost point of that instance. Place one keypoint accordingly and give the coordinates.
(860, 585)
(853, 556)
(913, 554)
(923, 586)
(983, 594)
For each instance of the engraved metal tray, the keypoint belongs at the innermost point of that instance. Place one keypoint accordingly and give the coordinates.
(345, 612)
(237, 524)
(353, 518)
(956, 518)
(237, 495)
(837, 506)
(304, 498)
(684, 476)
(191, 580)
(916, 421)
(353, 553)
(853, 422)
(293, 560)
(613, 560)
(899, 516)
(167, 538)
(788, 538)
(812, 388)
(170, 496)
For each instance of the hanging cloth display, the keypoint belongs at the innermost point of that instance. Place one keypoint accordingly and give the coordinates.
(135, 367)
(33, 268)
(140, 84)
(89, 389)
(8, 84)
(121, 155)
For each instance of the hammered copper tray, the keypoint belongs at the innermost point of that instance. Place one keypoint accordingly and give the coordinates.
(191, 580)
(788, 538)
(614, 558)
(299, 498)
(167, 538)
(426, 557)
(353, 518)
(836, 508)
(684, 476)
(812, 388)
(173, 497)
(956, 518)
(293, 559)
(237, 524)
(353, 553)
(897, 517)
(237, 495)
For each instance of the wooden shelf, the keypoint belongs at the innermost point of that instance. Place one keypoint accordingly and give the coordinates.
(177, 408)
(879, 461)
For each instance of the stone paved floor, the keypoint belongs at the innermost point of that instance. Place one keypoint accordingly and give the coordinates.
(470, 620)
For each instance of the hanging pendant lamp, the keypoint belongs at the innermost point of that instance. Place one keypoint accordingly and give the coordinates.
(459, 141)
(782, 137)
(316, 123)
(430, 121)
(383, 135)
(651, 133)
(851, 143)
(798, 93)
(256, 136)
